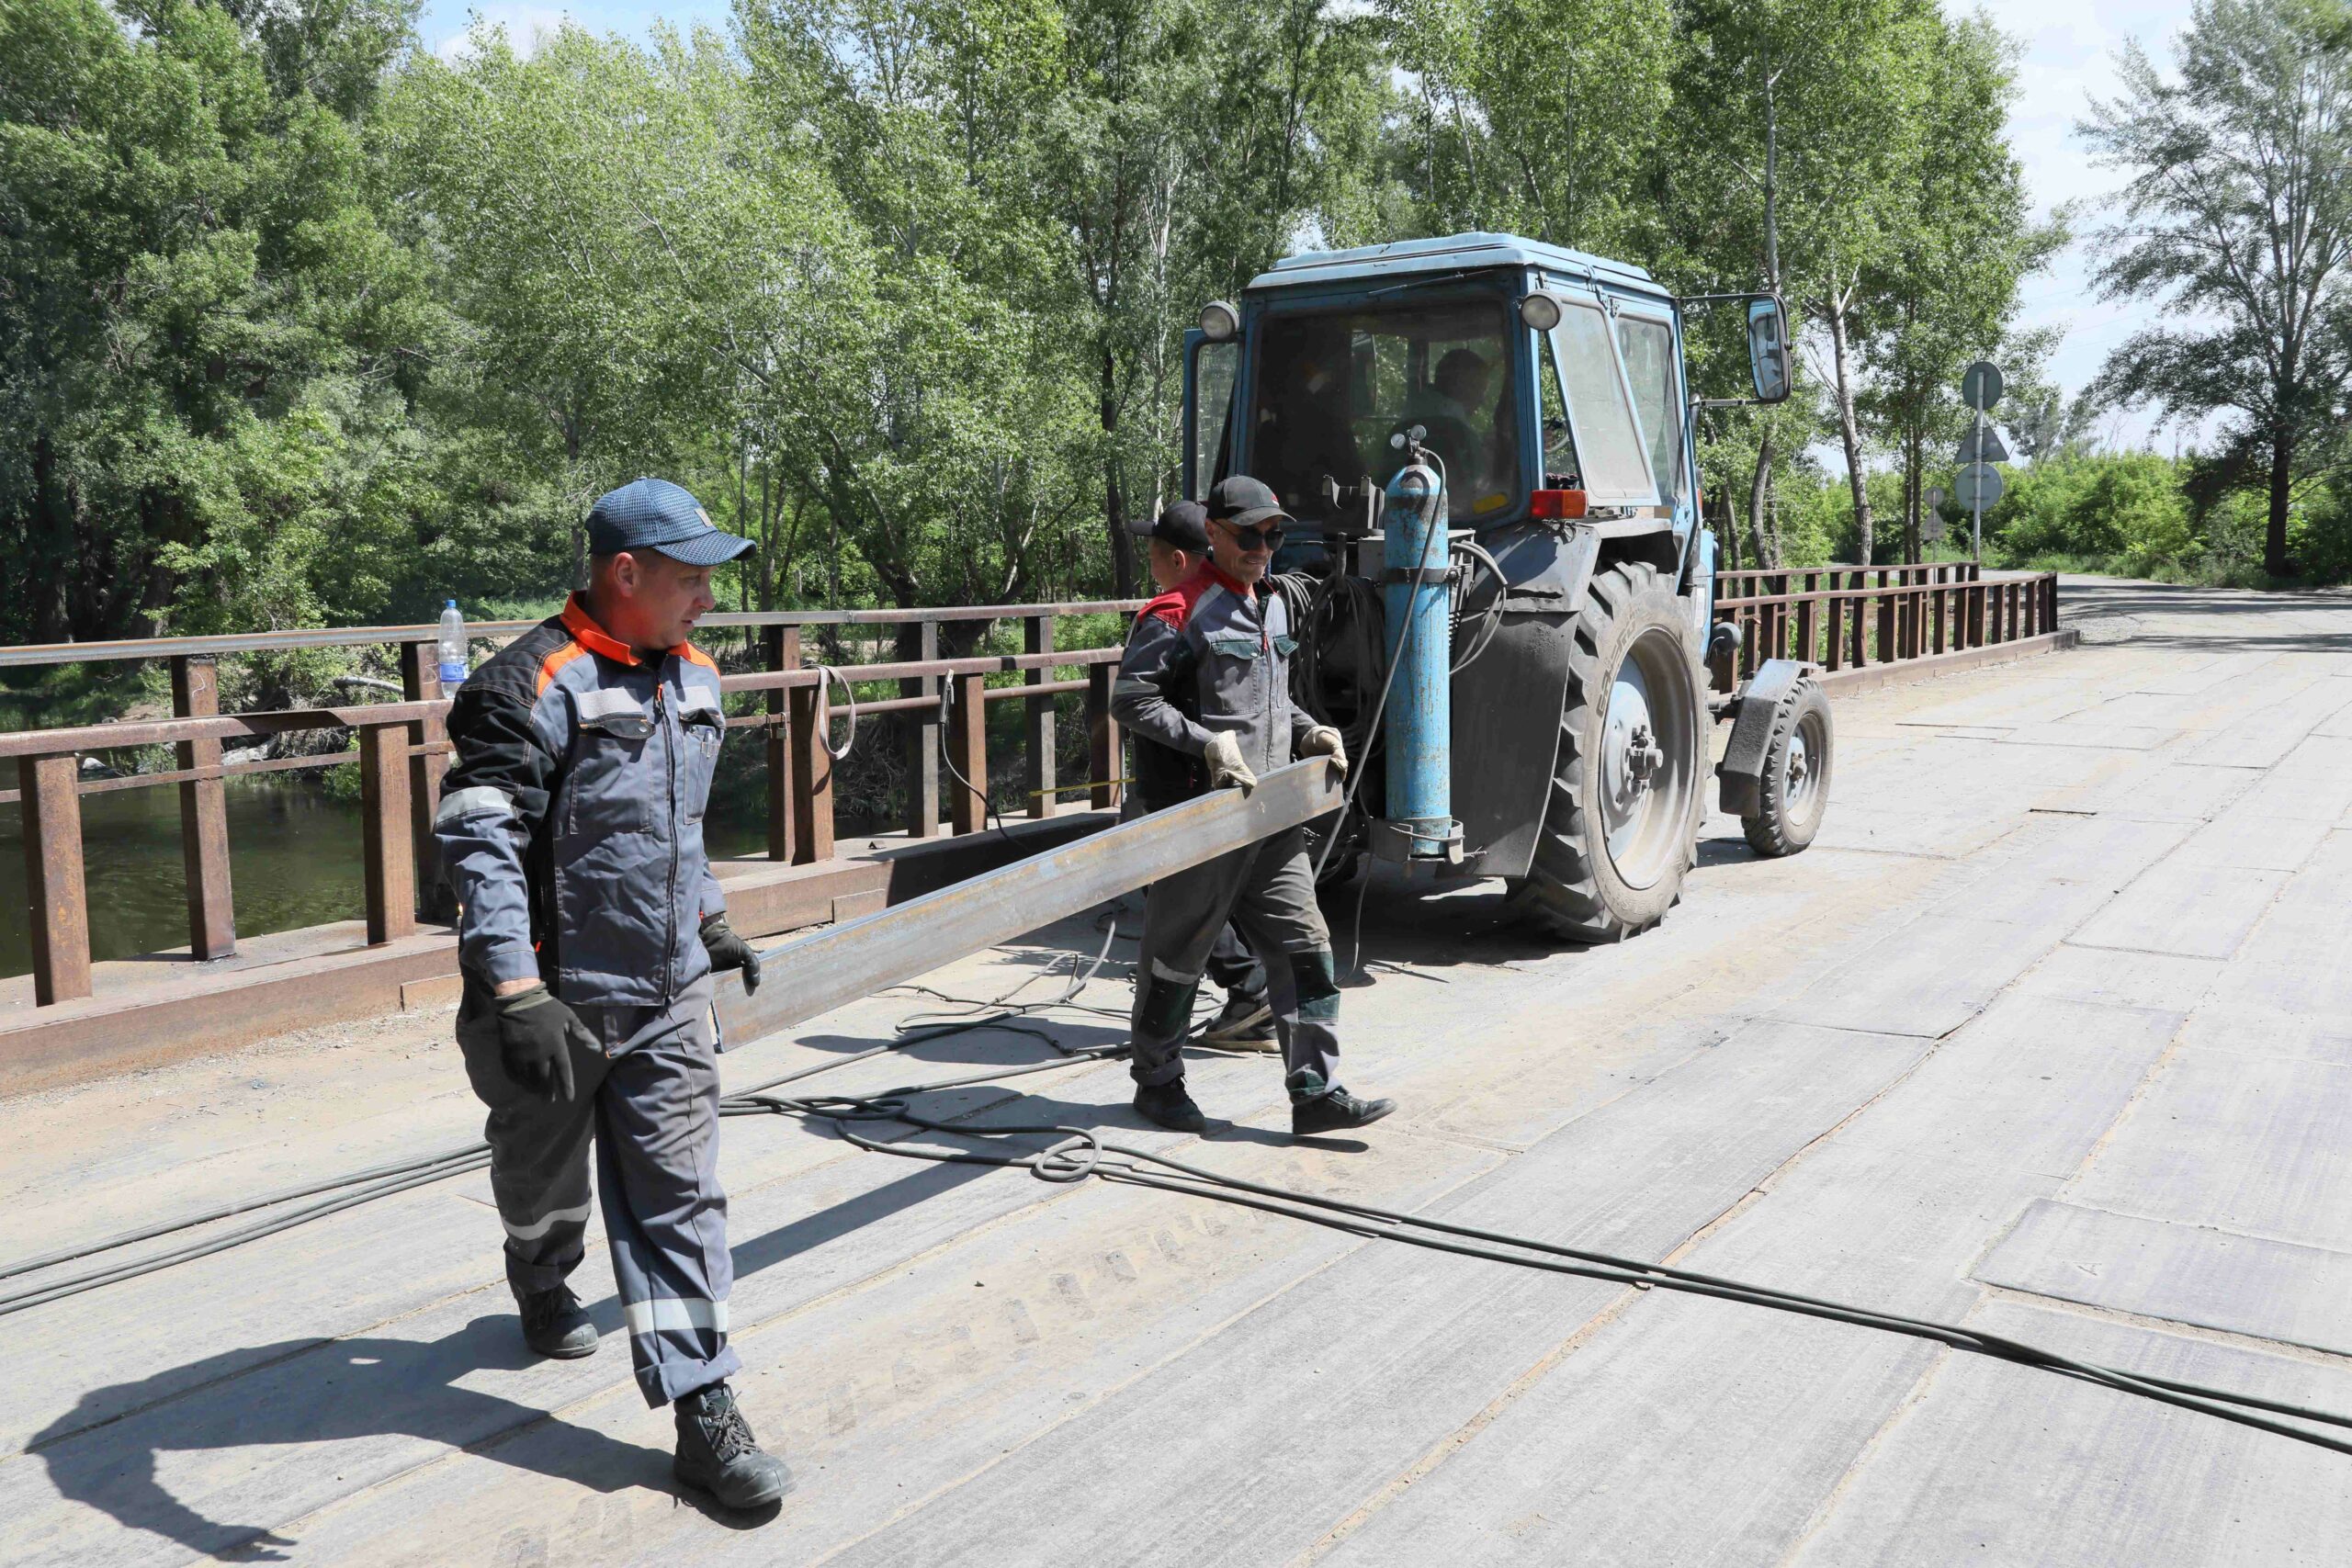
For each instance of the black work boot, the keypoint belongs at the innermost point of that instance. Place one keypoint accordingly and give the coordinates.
(1246, 1024)
(1315, 1109)
(1167, 1105)
(554, 1325)
(718, 1454)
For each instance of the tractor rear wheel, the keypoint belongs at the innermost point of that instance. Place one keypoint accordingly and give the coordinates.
(1625, 789)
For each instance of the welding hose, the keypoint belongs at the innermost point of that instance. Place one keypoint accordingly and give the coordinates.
(1376, 1223)
(1081, 1152)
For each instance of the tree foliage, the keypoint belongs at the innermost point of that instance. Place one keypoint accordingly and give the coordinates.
(2236, 216)
(299, 322)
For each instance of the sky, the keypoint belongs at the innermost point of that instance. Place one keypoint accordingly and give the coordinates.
(2070, 48)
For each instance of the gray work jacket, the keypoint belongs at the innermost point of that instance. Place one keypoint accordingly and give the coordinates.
(572, 822)
(1208, 655)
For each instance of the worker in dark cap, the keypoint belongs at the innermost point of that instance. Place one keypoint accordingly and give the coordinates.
(1204, 688)
(1177, 542)
(572, 825)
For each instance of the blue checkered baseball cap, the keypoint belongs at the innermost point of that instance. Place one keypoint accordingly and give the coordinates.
(654, 515)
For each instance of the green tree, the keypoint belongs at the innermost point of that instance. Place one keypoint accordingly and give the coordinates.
(1538, 116)
(208, 341)
(1946, 292)
(2237, 210)
(1802, 124)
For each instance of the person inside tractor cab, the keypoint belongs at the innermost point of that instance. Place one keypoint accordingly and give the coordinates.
(1453, 409)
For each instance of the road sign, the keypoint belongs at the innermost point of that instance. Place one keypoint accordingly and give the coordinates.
(1934, 500)
(1979, 486)
(1932, 526)
(1982, 447)
(1979, 384)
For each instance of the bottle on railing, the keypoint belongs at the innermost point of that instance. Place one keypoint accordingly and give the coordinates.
(453, 649)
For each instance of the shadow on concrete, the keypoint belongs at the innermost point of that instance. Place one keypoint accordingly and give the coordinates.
(308, 1392)
(2085, 604)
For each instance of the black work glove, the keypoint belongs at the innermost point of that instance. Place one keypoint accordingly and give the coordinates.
(535, 1036)
(729, 951)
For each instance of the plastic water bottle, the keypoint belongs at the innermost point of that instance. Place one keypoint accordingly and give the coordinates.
(453, 649)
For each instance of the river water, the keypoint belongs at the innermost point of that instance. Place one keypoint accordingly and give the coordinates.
(294, 851)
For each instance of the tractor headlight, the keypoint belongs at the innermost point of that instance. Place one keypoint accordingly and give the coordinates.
(1539, 310)
(1220, 322)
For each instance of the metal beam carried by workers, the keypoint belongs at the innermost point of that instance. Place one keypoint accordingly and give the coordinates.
(857, 958)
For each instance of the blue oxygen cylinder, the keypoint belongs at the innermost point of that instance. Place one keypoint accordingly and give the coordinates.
(1419, 720)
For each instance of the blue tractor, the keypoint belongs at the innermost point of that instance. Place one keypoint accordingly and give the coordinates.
(1501, 577)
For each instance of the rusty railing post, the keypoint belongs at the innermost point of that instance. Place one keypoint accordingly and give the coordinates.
(1037, 636)
(1886, 653)
(923, 743)
(204, 816)
(57, 899)
(968, 752)
(1833, 642)
(780, 649)
(1102, 737)
(388, 861)
(812, 776)
(429, 740)
(1808, 621)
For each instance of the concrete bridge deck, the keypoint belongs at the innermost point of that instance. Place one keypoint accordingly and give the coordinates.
(2049, 1033)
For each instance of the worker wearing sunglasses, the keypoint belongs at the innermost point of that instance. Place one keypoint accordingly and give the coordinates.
(1205, 690)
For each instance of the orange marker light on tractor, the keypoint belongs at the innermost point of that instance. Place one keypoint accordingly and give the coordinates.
(1555, 503)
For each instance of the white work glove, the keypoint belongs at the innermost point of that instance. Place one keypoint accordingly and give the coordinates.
(1225, 766)
(1325, 742)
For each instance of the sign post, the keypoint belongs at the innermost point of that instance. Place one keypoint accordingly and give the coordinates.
(1979, 482)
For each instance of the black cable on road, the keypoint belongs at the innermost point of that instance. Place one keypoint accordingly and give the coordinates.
(1079, 1153)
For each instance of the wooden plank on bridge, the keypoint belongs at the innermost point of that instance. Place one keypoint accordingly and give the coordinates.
(54, 886)
(387, 863)
(204, 818)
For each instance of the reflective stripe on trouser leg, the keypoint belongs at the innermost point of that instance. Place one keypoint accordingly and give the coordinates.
(1275, 908)
(539, 1153)
(665, 1215)
(1182, 916)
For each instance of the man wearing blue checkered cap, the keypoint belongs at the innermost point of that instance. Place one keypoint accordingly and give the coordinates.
(592, 933)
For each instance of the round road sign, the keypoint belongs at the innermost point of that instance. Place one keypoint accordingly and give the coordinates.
(1979, 485)
(1979, 384)
(1934, 499)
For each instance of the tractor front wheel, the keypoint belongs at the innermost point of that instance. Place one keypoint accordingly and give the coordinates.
(1625, 789)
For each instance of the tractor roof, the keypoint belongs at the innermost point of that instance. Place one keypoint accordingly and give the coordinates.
(1451, 252)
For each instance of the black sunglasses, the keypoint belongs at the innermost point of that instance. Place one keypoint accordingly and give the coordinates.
(1267, 538)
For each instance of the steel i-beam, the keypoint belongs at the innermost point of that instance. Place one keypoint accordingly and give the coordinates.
(840, 963)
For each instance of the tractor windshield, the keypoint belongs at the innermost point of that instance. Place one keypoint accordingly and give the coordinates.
(1331, 387)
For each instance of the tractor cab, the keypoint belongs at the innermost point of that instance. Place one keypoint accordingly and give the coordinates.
(1536, 374)
(1499, 573)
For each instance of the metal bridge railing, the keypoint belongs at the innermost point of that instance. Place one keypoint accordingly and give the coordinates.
(1848, 617)
(405, 751)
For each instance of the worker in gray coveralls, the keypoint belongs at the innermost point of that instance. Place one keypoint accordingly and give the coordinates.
(1175, 544)
(1205, 690)
(572, 825)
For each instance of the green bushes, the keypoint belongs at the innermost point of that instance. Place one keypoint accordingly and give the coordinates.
(2127, 510)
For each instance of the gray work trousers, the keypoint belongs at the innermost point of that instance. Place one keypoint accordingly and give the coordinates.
(1267, 890)
(649, 1101)
(1233, 968)
(1230, 965)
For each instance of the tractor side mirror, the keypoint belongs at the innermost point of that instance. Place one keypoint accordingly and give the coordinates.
(1767, 348)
